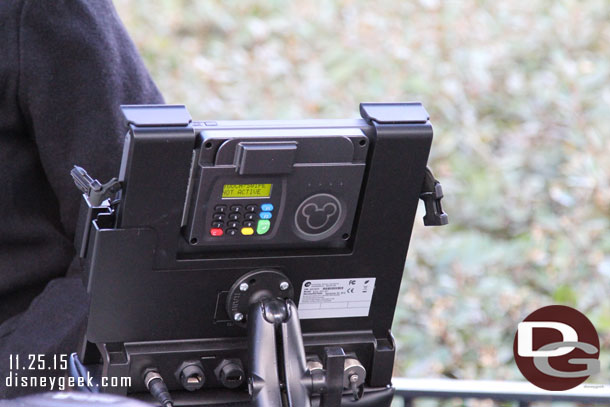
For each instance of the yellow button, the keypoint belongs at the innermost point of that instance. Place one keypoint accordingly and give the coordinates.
(247, 231)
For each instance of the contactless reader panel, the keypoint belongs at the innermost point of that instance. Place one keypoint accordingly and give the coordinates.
(274, 187)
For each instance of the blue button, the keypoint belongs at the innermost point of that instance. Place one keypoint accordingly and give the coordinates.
(265, 215)
(267, 207)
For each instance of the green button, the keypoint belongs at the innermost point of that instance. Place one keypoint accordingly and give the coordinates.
(263, 226)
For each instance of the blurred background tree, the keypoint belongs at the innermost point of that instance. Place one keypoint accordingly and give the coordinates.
(518, 92)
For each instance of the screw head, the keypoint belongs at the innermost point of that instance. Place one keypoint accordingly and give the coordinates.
(353, 378)
(284, 285)
(244, 287)
(238, 316)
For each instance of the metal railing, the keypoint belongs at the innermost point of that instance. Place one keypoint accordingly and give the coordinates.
(521, 394)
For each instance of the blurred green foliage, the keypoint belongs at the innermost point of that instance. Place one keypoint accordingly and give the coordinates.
(519, 94)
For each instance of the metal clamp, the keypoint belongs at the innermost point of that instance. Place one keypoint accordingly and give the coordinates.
(432, 193)
(95, 191)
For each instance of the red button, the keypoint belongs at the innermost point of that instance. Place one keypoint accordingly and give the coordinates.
(216, 232)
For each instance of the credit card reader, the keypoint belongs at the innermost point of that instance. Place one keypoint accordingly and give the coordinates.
(275, 187)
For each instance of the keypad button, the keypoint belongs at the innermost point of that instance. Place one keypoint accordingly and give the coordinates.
(250, 208)
(266, 207)
(217, 224)
(236, 208)
(231, 232)
(247, 231)
(220, 208)
(249, 223)
(265, 215)
(234, 216)
(218, 217)
(233, 224)
(250, 216)
(263, 227)
(216, 232)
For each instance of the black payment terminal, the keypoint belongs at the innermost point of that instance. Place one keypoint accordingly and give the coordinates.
(274, 187)
(251, 262)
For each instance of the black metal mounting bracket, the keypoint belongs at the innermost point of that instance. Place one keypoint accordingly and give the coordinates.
(384, 116)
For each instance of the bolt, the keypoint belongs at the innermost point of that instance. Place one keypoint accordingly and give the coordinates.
(244, 287)
(353, 378)
(238, 316)
(284, 286)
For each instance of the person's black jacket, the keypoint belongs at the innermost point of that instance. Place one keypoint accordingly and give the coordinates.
(65, 68)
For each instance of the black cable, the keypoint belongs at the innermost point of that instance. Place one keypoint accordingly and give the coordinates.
(156, 386)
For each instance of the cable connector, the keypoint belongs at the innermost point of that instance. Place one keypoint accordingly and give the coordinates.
(156, 386)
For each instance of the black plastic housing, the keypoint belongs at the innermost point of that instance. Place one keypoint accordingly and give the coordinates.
(158, 299)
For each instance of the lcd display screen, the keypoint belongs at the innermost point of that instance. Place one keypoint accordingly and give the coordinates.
(246, 191)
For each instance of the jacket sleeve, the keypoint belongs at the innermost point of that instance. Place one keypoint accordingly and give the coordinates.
(77, 66)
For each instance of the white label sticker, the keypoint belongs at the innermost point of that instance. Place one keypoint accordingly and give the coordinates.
(336, 298)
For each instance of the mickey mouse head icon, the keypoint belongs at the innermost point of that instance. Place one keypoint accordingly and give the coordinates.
(318, 216)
